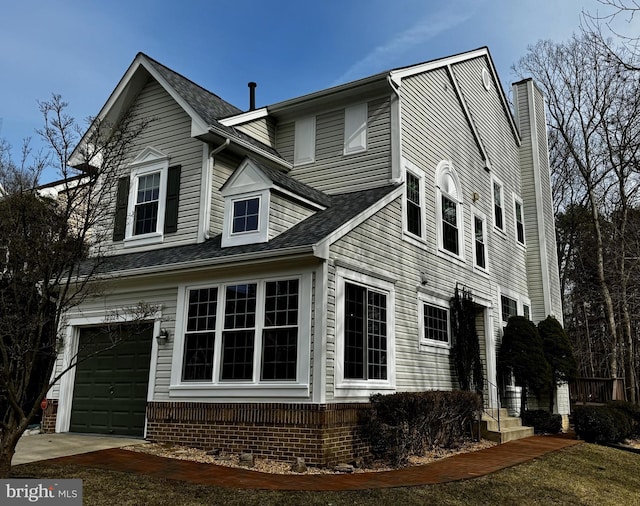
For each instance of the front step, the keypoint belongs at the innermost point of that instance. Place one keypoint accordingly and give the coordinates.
(511, 427)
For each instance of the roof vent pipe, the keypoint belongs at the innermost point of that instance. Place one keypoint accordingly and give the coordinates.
(252, 95)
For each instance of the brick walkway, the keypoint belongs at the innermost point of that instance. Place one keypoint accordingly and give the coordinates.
(457, 467)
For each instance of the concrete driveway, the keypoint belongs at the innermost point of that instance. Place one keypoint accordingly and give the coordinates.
(50, 446)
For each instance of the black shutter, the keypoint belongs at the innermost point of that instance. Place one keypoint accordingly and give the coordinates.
(122, 201)
(173, 194)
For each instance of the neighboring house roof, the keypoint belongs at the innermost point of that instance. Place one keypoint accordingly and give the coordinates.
(300, 238)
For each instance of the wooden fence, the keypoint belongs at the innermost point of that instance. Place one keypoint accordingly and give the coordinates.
(596, 390)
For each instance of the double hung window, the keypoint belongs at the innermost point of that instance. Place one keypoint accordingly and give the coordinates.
(449, 209)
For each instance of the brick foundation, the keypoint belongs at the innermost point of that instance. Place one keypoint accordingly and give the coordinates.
(49, 416)
(323, 435)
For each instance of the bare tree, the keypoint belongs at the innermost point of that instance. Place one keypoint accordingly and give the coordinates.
(52, 242)
(594, 122)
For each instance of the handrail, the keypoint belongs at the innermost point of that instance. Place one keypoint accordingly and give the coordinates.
(488, 409)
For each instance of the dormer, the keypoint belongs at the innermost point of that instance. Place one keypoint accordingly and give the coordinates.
(261, 202)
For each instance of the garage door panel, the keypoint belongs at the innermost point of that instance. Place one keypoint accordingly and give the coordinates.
(110, 389)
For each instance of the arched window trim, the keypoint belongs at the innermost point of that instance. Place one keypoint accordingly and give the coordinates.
(449, 245)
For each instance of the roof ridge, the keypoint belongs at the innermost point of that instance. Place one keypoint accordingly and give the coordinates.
(190, 81)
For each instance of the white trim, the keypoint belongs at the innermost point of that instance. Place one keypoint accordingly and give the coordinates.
(304, 142)
(409, 167)
(206, 194)
(476, 213)
(261, 234)
(254, 388)
(148, 162)
(431, 345)
(67, 382)
(496, 228)
(445, 168)
(362, 389)
(518, 200)
(245, 117)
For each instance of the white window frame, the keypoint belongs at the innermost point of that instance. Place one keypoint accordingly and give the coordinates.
(445, 168)
(138, 171)
(517, 200)
(229, 238)
(475, 213)
(354, 388)
(254, 388)
(410, 168)
(432, 345)
(502, 230)
(521, 301)
(355, 128)
(304, 142)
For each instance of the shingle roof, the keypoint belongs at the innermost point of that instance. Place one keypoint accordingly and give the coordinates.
(308, 232)
(209, 106)
(293, 185)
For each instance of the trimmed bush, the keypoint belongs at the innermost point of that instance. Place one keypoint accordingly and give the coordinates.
(601, 424)
(409, 423)
(631, 410)
(542, 421)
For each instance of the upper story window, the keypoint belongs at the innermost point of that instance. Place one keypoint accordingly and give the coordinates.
(147, 204)
(498, 205)
(355, 128)
(246, 215)
(479, 241)
(449, 211)
(414, 204)
(304, 146)
(517, 204)
(147, 200)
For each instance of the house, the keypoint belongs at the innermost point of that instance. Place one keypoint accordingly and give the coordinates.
(303, 255)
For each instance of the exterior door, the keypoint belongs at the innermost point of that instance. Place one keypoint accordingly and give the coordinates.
(110, 391)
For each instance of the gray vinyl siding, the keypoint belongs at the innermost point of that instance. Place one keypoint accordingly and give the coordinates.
(262, 129)
(170, 132)
(284, 214)
(124, 304)
(534, 260)
(371, 246)
(333, 172)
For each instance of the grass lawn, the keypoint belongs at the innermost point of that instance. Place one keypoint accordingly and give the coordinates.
(584, 474)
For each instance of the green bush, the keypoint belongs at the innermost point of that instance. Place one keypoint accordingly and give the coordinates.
(631, 410)
(602, 424)
(409, 423)
(542, 421)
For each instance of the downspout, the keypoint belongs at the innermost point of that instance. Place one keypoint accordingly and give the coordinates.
(212, 154)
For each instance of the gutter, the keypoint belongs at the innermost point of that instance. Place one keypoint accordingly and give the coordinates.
(204, 263)
(246, 145)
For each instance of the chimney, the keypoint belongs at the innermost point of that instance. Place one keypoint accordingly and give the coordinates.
(252, 96)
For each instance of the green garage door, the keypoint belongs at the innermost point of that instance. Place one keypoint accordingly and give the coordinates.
(110, 392)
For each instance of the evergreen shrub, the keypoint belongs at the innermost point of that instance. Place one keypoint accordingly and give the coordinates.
(542, 421)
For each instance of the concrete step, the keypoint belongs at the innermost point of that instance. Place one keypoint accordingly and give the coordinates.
(509, 434)
(505, 423)
(490, 413)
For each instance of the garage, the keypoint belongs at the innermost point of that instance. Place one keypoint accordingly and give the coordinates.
(110, 389)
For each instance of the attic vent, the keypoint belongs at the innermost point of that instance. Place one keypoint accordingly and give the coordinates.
(486, 79)
(252, 95)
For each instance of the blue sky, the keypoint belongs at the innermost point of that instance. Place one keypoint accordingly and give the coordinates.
(81, 48)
